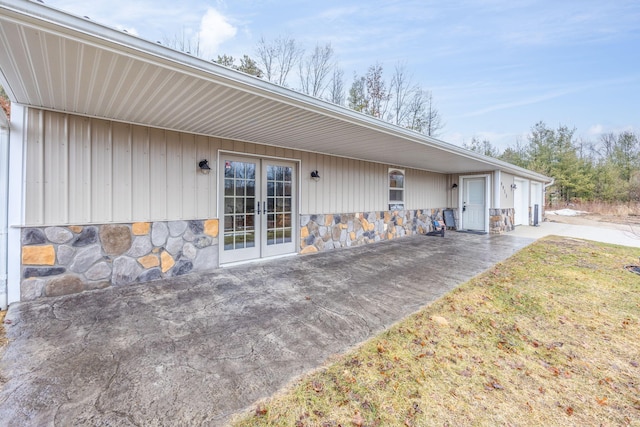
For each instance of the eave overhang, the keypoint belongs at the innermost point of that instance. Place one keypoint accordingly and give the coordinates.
(53, 60)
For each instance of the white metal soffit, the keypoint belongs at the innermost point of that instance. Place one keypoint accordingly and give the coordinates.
(53, 60)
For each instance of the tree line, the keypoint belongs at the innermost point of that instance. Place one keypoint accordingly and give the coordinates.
(606, 169)
(283, 61)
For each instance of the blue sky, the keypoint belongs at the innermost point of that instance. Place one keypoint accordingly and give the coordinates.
(495, 67)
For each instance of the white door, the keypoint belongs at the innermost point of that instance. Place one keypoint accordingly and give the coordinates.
(257, 197)
(474, 204)
(521, 202)
(536, 199)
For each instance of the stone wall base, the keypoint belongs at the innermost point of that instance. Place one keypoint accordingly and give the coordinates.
(70, 259)
(331, 231)
(501, 220)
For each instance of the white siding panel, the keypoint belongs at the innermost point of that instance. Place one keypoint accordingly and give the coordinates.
(122, 173)
(158, 174)
(203, 182)
(173, 174)
(101, 173)
(79, 170)
(35, 172)
(141, 185)
(425, 190)
(56, 167)
(189, 168)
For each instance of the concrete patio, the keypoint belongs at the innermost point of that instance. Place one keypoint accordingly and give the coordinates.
(197, 349)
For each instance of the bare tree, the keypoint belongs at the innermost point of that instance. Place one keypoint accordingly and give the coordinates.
(336, 87)
(314, 70)
(401, 90)
(277, 58)
(185, 43)
(376, 91)
(433, 120)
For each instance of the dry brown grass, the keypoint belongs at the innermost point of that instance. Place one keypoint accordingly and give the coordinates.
(3, 339)
(549, 337)
(620, 210)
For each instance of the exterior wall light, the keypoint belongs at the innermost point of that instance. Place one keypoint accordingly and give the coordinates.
(204, 166)
(315, 175)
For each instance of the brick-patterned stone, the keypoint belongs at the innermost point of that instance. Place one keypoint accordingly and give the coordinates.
(116, 239)
(328, 220)
(33, 236)
(125, 270)
(166, 261)
(58, 235)
(141, 246)
(211, 227)
(65, 285)
(65, 254)
(38, 255)
(149, 261)
(75, 228)
(140, 228)
(189, 251)
(159, 233)
(85, 258)
(177, 228)
(31, 289)
(309, 250)
(88, 236)
(42, 271)
(304, 232)
(100, 271)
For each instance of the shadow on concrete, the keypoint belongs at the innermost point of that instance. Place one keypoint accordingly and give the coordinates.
(196, 349)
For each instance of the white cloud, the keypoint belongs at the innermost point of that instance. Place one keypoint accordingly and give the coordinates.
(596, 129)
(215, 29)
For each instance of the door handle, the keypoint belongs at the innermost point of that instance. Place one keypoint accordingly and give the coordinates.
(258, 210)
(264, 207)
(464, 207)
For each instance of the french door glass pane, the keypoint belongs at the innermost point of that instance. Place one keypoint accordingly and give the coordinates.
(279, 200)
(239, 204)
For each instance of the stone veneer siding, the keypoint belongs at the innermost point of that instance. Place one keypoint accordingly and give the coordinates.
(70, 259)
(501, 220)
(331, 231)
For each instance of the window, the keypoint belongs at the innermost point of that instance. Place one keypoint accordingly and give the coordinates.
(396, 189)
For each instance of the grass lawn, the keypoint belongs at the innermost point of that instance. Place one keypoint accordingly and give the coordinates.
(549, 337)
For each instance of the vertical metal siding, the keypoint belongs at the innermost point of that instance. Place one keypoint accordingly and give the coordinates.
(79, 170)
(101, 173)
(84, 170)
(122, 172)
(34, 208)
(141, 170)
(157, 174)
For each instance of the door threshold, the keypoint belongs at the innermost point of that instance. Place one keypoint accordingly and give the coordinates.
(256, 260)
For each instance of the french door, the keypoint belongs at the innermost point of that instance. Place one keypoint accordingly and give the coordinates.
(258, 203)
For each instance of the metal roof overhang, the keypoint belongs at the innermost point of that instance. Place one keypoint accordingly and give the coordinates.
(53, 60)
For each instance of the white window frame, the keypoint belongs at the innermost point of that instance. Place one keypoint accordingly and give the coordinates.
(394, 204)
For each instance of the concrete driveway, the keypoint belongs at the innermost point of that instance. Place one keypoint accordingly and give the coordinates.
(197, 349)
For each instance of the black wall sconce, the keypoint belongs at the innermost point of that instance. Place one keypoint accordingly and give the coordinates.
(514, 187)
(454, 186)
(204, 166)
(315, 175)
